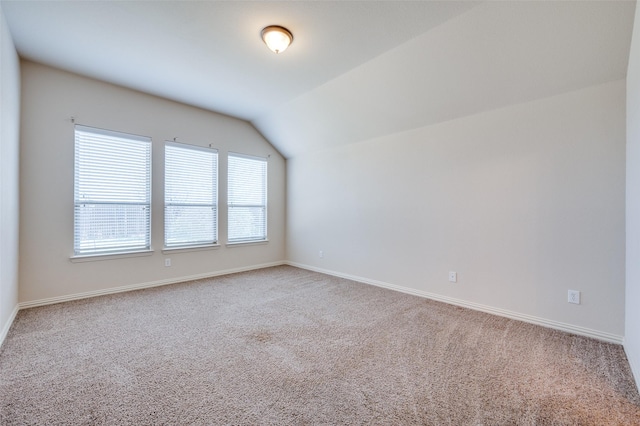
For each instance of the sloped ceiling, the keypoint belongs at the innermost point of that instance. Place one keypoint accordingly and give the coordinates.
(356, 70)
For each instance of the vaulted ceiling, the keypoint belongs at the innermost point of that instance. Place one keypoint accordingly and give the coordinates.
(355, 71)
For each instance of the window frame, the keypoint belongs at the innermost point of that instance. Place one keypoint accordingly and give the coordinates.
(193, 245)
(248, 240)
(124, 250)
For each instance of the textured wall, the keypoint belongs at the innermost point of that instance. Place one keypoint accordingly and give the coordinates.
(524, 202)
(50, 98)
(9, 162)
(632, 295)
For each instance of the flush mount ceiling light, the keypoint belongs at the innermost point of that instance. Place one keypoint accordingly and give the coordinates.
(277, 38)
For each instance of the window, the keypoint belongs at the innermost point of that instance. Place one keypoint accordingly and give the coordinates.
(112, 192)
(247, 195)
(190, 195)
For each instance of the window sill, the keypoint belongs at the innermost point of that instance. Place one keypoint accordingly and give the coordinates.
(98, 257)
(187, 249)
(247, 243)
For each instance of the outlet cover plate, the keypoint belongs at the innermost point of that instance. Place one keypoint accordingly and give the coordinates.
(574, 297)
(453, 277)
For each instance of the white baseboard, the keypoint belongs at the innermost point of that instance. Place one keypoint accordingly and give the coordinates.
(121, 289)
(7, 325)
(635, 366)
(569, 328)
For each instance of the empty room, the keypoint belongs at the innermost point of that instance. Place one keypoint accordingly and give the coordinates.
(319, 212)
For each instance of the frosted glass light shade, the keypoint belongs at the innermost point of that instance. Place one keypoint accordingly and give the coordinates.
(277, 38)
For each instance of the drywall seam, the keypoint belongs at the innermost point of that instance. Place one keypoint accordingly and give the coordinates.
(7, 326)
(582, 331)
(131, 287)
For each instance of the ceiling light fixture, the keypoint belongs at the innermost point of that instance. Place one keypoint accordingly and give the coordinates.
(277, 38)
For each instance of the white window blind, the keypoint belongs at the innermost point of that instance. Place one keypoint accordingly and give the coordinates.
(190, 195)
(112, 192)
(247, 198)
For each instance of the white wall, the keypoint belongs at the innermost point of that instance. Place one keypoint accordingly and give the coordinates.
(50, 98)
(9, 148)
(632, 295)
(524, 202)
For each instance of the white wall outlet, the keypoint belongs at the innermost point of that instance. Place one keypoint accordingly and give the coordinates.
(453, 277)
(167, 262)
(574, 297)
(321, 254)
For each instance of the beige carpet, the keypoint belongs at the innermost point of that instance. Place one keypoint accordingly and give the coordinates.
(288, 346)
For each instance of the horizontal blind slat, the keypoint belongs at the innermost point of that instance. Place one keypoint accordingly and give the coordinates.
(247, 198)
(112, 192)
(191, 195)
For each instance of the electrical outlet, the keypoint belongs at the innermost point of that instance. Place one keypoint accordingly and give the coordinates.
(321, 254)
(167, 262)
(574, 297)
(453, 277)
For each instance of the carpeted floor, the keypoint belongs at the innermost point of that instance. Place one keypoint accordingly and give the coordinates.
(288, 346)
